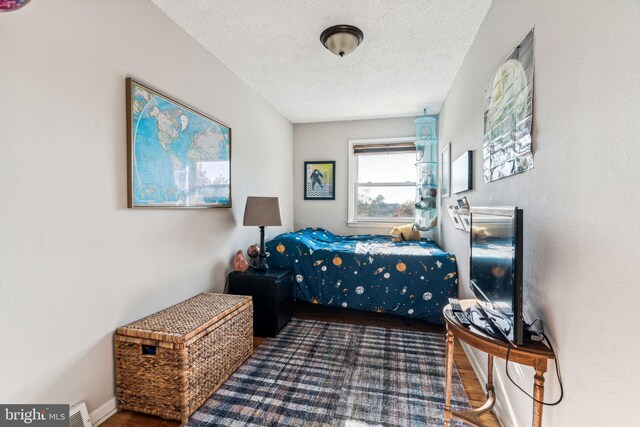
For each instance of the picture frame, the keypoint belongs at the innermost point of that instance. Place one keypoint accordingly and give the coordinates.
(464, 213)
(177, 156)
(445, 171)
(455, 217)
(508, 114)
(462, 173)
(466, 221)
(319, 180)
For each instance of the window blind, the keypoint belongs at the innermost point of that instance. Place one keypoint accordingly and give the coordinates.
(404, 147)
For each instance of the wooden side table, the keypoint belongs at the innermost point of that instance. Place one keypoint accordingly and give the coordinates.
(531, 353)
(272, 293)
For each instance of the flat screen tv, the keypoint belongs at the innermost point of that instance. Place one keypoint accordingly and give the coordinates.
(496, 270)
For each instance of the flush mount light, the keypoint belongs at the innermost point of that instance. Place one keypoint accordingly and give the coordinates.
(341, 40)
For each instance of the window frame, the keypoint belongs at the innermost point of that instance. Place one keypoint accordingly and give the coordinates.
(352, 195)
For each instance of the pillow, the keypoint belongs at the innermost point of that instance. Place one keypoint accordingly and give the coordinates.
(404, 232)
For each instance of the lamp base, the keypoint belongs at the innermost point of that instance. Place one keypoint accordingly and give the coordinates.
(262, 264)
(262, 258)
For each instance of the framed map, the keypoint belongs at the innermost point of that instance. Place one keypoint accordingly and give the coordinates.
(178, 157)
(508, 113)
(320, 180)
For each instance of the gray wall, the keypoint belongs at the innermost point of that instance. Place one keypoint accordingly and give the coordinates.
(75, 263)
(580, 201)
(330, 141)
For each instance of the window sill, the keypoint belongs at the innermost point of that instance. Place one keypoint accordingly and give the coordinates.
(377, 224)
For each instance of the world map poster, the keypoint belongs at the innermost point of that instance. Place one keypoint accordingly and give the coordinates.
(508, 115)
(178, 156)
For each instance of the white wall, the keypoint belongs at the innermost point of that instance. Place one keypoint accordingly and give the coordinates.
(330, 141)
(580, 201)
(75, 263)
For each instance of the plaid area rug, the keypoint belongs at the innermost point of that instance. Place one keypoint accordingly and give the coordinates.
(333, 374)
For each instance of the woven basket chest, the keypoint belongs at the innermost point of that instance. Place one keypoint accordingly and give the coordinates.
(168, 364)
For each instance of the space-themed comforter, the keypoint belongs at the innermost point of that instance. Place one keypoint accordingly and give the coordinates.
(367, 272)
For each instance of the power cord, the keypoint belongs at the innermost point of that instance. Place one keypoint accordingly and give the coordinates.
(556, 361)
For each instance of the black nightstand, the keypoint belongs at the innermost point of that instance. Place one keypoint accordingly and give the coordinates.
(272, 293)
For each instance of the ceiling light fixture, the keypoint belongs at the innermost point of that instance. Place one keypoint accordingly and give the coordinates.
(341, 40)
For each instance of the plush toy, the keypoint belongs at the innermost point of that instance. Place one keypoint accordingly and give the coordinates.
(404, 232)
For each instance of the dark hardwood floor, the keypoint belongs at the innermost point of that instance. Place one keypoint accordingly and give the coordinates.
(315, 312)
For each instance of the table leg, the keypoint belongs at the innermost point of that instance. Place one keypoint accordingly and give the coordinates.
(472, 416)
(538, 391)
(489, 374)
(449, 375)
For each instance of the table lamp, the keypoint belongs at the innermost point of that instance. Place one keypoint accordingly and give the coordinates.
(262, 212)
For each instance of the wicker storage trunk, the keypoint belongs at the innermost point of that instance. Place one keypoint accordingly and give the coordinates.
(170, 363)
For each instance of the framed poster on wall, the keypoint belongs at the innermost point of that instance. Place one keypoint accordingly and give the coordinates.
(319, 180)
(445, 171)
(178, 156)
(462, 173)
(508, 115)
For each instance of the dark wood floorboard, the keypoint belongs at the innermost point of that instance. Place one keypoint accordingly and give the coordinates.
(329, 314)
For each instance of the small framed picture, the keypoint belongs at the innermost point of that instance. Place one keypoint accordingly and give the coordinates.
(445, 171)
(466, 221)
(320, 180)
(453, 213)
(462, 173)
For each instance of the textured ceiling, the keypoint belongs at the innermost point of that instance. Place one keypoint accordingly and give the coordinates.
(409, 57)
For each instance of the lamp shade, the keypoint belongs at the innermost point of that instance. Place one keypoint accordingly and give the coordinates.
(262, 211)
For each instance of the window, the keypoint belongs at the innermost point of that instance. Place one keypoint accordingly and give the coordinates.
(381, 181)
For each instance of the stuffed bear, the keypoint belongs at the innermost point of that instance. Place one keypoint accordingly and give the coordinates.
(404, 232)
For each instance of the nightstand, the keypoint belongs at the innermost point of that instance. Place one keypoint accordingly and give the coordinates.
(272, 293)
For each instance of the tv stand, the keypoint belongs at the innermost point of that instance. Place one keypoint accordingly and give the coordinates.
(530, 353)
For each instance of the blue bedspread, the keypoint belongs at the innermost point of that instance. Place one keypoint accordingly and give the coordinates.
(368, 272)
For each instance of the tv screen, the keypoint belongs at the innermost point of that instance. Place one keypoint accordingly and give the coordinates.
(496, 263)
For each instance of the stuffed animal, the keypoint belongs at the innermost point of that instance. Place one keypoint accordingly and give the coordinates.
(404, 232)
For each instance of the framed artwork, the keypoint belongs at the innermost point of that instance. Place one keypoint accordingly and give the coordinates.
(508, 115)
(455, 217)
(464, 213)
(320, 180)
(178, 157)
(462, 173)
(445, 171)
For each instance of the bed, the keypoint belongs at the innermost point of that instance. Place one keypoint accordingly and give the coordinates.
(367, 272)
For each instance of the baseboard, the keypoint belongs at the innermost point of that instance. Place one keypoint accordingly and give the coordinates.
(503, 409)
(103, 412)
